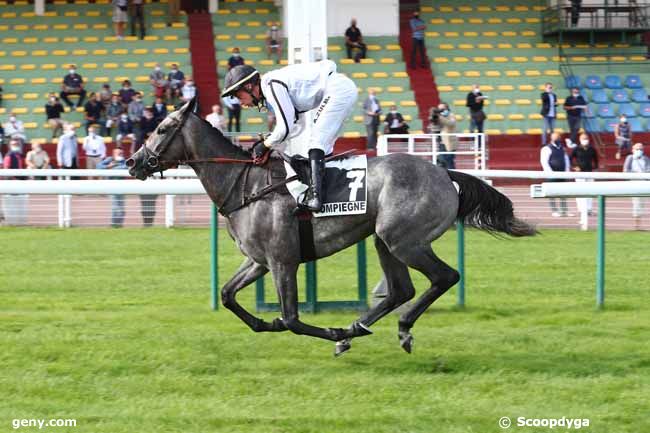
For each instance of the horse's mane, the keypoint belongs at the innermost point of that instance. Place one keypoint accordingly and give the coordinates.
(216, 138)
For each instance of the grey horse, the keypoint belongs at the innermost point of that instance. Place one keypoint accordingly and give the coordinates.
(410, 204)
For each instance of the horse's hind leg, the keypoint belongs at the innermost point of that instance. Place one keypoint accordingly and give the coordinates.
(441, 276)
(248, 272)
(284, 277)
(400, 290)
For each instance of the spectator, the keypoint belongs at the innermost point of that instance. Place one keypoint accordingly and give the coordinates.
(53, 110)
(449, 142)
(235, 59)
(554, 158)
(417, 39)
(176, 80)
(14, 158)
(0, 95)
(574, 105)
(120, 17)
(94, 148)
(354, 40)
(73, 84)
(15, 129)
(135, 112)
(158, 81)
(147, 126)
(475, 100)
(137, 14)
(395, 122)
(66, 148)
(37, 159)
(174, 8)
(234, 112)
(622, 136)
(116, 162)
(2, 137)
(216, 118)
(273, 43)
(372, 110)
(113, 113)
(159, 110)
(93, 111)
(549, 111)
(148, 208)
(637, 162)
(188, 91)
(127, 93)
(124, 129)
(106, 95)
(586, 160)
(575, 12)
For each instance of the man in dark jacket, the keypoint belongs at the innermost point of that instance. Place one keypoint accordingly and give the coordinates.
(395, 122)
(159, 110)
(574, 105)
(586, 159)
(93, 111)
(553, 157)
(549, 111)
(73, 84)
(354, 40)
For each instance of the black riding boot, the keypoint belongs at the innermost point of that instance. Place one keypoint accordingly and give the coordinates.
(317, 165)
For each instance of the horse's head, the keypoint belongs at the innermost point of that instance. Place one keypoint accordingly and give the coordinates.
(165, 145)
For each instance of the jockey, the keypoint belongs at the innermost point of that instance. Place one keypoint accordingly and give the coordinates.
(293, 90)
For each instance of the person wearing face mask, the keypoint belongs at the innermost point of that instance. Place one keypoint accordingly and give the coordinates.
(113, 113)
(234, 112)
(235, 59)
(372, 111)
(93, 111)
(15, 129)
(622, 136)
(127, 93)
(549, 111)
(147, 127)
(216, 118)
(448, 141)
(53, 111)
(574, 105)
(158, 81)
(94, 148)
(106, 95)
(637, 162)
(176, 80)
(37, 159)
(135, 112)
(553, 157)
(159, 110)
(417, 39)
(394, 122)
(273, 44)
(73, 84)
(585, 158)
(66, 148)
(188, 91)
(124, 129)
(115, 162)
(14, 158)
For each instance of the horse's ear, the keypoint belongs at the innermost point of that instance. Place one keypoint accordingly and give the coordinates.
(192, 106)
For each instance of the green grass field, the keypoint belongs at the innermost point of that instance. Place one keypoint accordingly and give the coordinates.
(113, 328)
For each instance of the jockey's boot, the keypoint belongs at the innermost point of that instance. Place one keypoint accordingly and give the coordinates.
(317, 165)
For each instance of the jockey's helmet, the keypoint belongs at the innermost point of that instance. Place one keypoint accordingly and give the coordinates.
(239, 76)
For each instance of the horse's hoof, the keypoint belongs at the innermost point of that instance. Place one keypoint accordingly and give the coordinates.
(342, 347)
(360, 330)
(406, 341)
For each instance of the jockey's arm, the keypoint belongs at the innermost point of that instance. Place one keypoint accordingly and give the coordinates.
(277, 95)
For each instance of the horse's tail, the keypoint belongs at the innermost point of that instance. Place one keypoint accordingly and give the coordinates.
(484, 207)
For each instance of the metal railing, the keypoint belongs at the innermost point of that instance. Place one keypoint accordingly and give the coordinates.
(608, 16)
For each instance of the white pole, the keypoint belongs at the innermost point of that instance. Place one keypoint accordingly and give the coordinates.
(169, 210)
(67, 212)
(60, 212)
(39, 7)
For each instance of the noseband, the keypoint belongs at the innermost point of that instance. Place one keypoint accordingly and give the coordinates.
(152, 159)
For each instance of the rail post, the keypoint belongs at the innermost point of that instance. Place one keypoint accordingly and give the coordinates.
(600, 256)
(214, 254)
(460, 231)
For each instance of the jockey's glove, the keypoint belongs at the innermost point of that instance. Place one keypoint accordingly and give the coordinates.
(260, 151)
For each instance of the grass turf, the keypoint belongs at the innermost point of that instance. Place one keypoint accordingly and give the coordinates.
(113, 328)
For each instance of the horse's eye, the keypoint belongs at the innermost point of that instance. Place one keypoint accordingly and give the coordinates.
(161, 130)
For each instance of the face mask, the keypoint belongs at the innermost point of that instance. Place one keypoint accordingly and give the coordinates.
(190, 84)
(638, 153)
(393, 111)
(52, 99)
(157, 69)
(119, 158)
(623, 120)
(125, 117)
(15, 148)
(72, 71)
(138, 100)
(37, 148)
(12, 118)
(576, 95)
(236, 54)
(174, 70)
(584, 142)
(159, 105)
(445, 113)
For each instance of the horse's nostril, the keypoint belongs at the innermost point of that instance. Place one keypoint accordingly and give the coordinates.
(130, 163)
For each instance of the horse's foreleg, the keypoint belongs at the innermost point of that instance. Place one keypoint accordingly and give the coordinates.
(284, 277)
(247, 273)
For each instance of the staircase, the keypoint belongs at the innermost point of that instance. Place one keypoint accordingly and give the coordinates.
(204, 63)
(422, 80)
